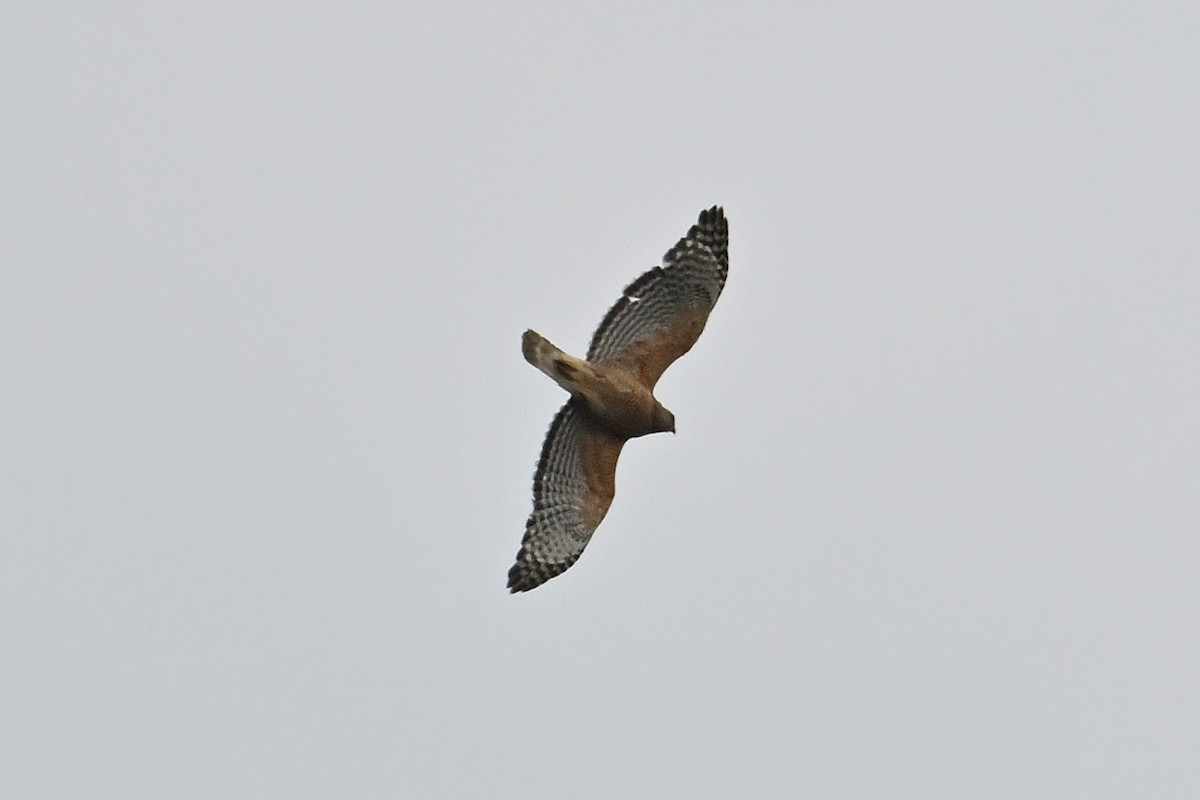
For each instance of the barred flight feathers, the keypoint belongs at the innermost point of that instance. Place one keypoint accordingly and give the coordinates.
(661, 314)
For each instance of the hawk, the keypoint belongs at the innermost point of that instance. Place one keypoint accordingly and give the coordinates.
(657, 319)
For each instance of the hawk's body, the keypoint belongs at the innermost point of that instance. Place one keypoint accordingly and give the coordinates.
(614, 395)
(657, 319)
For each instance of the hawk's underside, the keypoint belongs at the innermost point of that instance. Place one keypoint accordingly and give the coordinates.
(657, 319)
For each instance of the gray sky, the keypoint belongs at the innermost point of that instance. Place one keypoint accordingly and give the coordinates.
(929, 527)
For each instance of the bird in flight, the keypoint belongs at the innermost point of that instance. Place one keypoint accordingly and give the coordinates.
(657, 319)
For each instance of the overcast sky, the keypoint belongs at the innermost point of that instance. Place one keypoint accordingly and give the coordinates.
(929, 527)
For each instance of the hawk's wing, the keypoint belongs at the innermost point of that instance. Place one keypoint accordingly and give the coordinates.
(572, 490)
(661, 314)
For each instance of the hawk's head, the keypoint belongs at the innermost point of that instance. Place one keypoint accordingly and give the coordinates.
(664, 420)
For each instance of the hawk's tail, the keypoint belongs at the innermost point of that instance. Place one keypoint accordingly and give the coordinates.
(540, 352)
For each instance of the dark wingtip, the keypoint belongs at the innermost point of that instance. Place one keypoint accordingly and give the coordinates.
(712, 229)
(518, 580)
(713, 218)
(528, 573)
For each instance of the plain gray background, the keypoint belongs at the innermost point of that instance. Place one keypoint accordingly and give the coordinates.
(930, 524)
